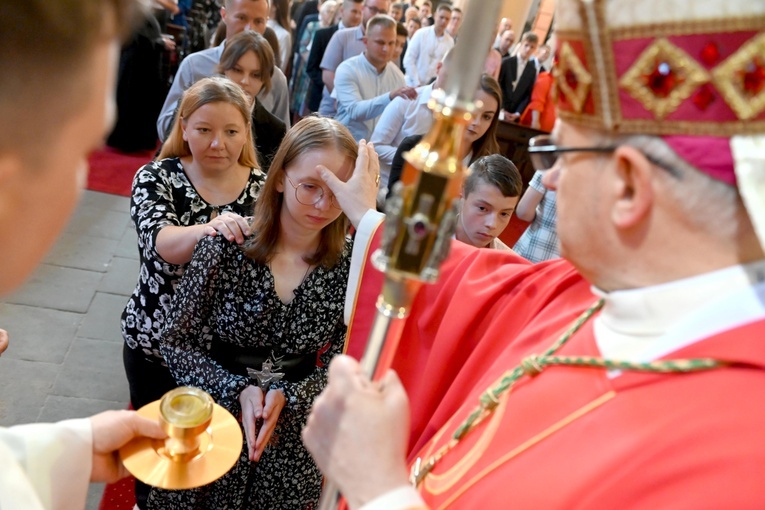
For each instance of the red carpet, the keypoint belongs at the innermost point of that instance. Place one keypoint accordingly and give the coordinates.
(112, 171)
(119, 496)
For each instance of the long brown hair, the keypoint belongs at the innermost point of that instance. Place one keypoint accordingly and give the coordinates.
(487, 144)
(308, 134)
(240, 44)
(205, 91)
(282, 12)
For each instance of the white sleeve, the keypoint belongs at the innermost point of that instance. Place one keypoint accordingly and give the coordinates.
(410, 60)
(403, 498)
(351, 101)
(285, 48)
(46, 466)
(389, 125)
(364, 233)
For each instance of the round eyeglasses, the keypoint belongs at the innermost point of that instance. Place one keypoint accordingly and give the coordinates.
(308, 193)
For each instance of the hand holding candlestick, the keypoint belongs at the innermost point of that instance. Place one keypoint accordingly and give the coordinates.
(421, 212)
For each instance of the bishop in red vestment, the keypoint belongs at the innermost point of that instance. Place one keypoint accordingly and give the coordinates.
(627, 375)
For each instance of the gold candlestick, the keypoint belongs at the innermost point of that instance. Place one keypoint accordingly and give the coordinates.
(421, 213)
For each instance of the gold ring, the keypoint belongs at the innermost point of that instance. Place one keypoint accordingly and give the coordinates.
(377, 179)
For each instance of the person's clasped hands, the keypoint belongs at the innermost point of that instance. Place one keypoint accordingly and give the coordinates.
(256, 407)
(358, 431)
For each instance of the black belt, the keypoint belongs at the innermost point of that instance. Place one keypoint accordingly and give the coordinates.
(237, 360)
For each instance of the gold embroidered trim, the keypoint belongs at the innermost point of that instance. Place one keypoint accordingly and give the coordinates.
(662, 127)
(686, 27)
(659, 126)
(569, 62)
(728, 80)
(690, 76)
(437, 483)
(604, 47)
(587, 408)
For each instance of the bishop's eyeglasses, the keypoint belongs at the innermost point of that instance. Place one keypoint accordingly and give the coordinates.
(544, 153)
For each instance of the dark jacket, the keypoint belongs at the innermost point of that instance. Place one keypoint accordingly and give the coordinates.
(313, 66)
(268, 131)
(516, 100)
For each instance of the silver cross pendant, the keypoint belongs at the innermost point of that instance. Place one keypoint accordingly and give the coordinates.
(267, 375)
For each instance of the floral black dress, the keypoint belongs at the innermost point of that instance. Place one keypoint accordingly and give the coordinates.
(225, 296)
(162, 196)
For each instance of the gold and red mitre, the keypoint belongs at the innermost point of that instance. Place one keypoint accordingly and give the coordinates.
(664, 67)
(690, 71)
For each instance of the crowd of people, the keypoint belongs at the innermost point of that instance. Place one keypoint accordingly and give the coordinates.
(632, 360)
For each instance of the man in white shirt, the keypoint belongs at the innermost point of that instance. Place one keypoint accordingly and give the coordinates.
(238, 15)
(626, 373)
(455, 23)
(365, 84)
(427, 48)
(343, 45)
(42, 169)
(404, 117)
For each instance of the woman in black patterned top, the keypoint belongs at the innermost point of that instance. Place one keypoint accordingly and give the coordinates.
(279, 299)
(204, 181)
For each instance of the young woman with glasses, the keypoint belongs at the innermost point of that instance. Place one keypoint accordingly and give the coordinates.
(270, 309)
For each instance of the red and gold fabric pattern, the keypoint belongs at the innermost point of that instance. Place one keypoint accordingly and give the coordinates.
(705, 77)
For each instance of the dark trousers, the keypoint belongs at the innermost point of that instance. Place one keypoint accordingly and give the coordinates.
(148, 381)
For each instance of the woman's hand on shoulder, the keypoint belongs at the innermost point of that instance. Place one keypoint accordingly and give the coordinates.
(230, 225)
(359, 194)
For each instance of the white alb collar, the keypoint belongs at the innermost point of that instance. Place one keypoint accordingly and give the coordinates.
(648, 323)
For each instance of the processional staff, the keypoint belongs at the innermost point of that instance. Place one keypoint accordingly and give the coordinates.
(422, 208)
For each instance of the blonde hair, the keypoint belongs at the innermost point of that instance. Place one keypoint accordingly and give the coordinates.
(207, 91)
(308, 134)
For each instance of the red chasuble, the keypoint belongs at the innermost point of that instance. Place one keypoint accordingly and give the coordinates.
(570, 437)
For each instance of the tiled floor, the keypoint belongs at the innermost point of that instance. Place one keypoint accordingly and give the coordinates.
(65, 354)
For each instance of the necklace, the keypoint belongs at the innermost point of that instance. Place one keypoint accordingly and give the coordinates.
(532, 366)
(273, 276)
